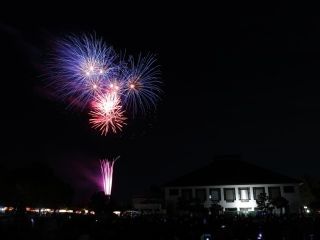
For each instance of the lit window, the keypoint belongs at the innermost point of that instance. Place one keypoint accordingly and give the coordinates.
(215, 194)
(288, 189)
(229, 194)
(257, 191)
(230, 209)
(245, 210)
(244, 194)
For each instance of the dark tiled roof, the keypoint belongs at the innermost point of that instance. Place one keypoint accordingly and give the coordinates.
(225, 171)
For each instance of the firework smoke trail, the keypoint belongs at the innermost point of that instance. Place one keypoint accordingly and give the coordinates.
(107, 174)
(141, 88)
(81, 67)
(107, 114)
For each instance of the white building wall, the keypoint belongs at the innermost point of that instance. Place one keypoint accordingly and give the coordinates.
(141, 203)
(293, 198)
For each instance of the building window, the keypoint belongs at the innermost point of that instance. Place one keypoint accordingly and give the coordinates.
(186, 194)
(244, 194)
(288, 189)
(215, 194)
(174, 192)
(201, 194)
(230, 209)
(274, 192)
(245, 210)
(257, 191)
(229, 194)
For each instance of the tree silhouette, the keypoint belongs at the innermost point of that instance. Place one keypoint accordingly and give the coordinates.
(216, 208)
(310, 192)
(34, 185)
(101, 204)
(263, 202)
(281, 203)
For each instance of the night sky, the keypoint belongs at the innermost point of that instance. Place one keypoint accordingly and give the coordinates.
(231, 85)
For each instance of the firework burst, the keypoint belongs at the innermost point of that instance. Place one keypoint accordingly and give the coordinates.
(87, 73)
(107, 114)
(141, 84)
(81, 66)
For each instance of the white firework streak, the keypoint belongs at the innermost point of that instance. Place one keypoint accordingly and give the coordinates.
(107, 174)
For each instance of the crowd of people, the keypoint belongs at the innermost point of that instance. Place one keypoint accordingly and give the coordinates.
(86, 227)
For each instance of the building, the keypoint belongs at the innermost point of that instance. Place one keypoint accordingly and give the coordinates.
(147, 205)
(149, 202)
(233, 184)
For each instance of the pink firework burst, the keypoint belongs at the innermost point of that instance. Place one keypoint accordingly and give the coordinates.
(107, 174)
(107, 114)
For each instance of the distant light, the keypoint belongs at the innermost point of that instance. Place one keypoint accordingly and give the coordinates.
(94, 86)
(305, 207)
(87, 73)
(91, 68)
(260, 236)
(3, 209)
(65, 211)
(101, 71)
(117, 213)
(132, 86)
(29, 209)
(206, 236)
(308, 211)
